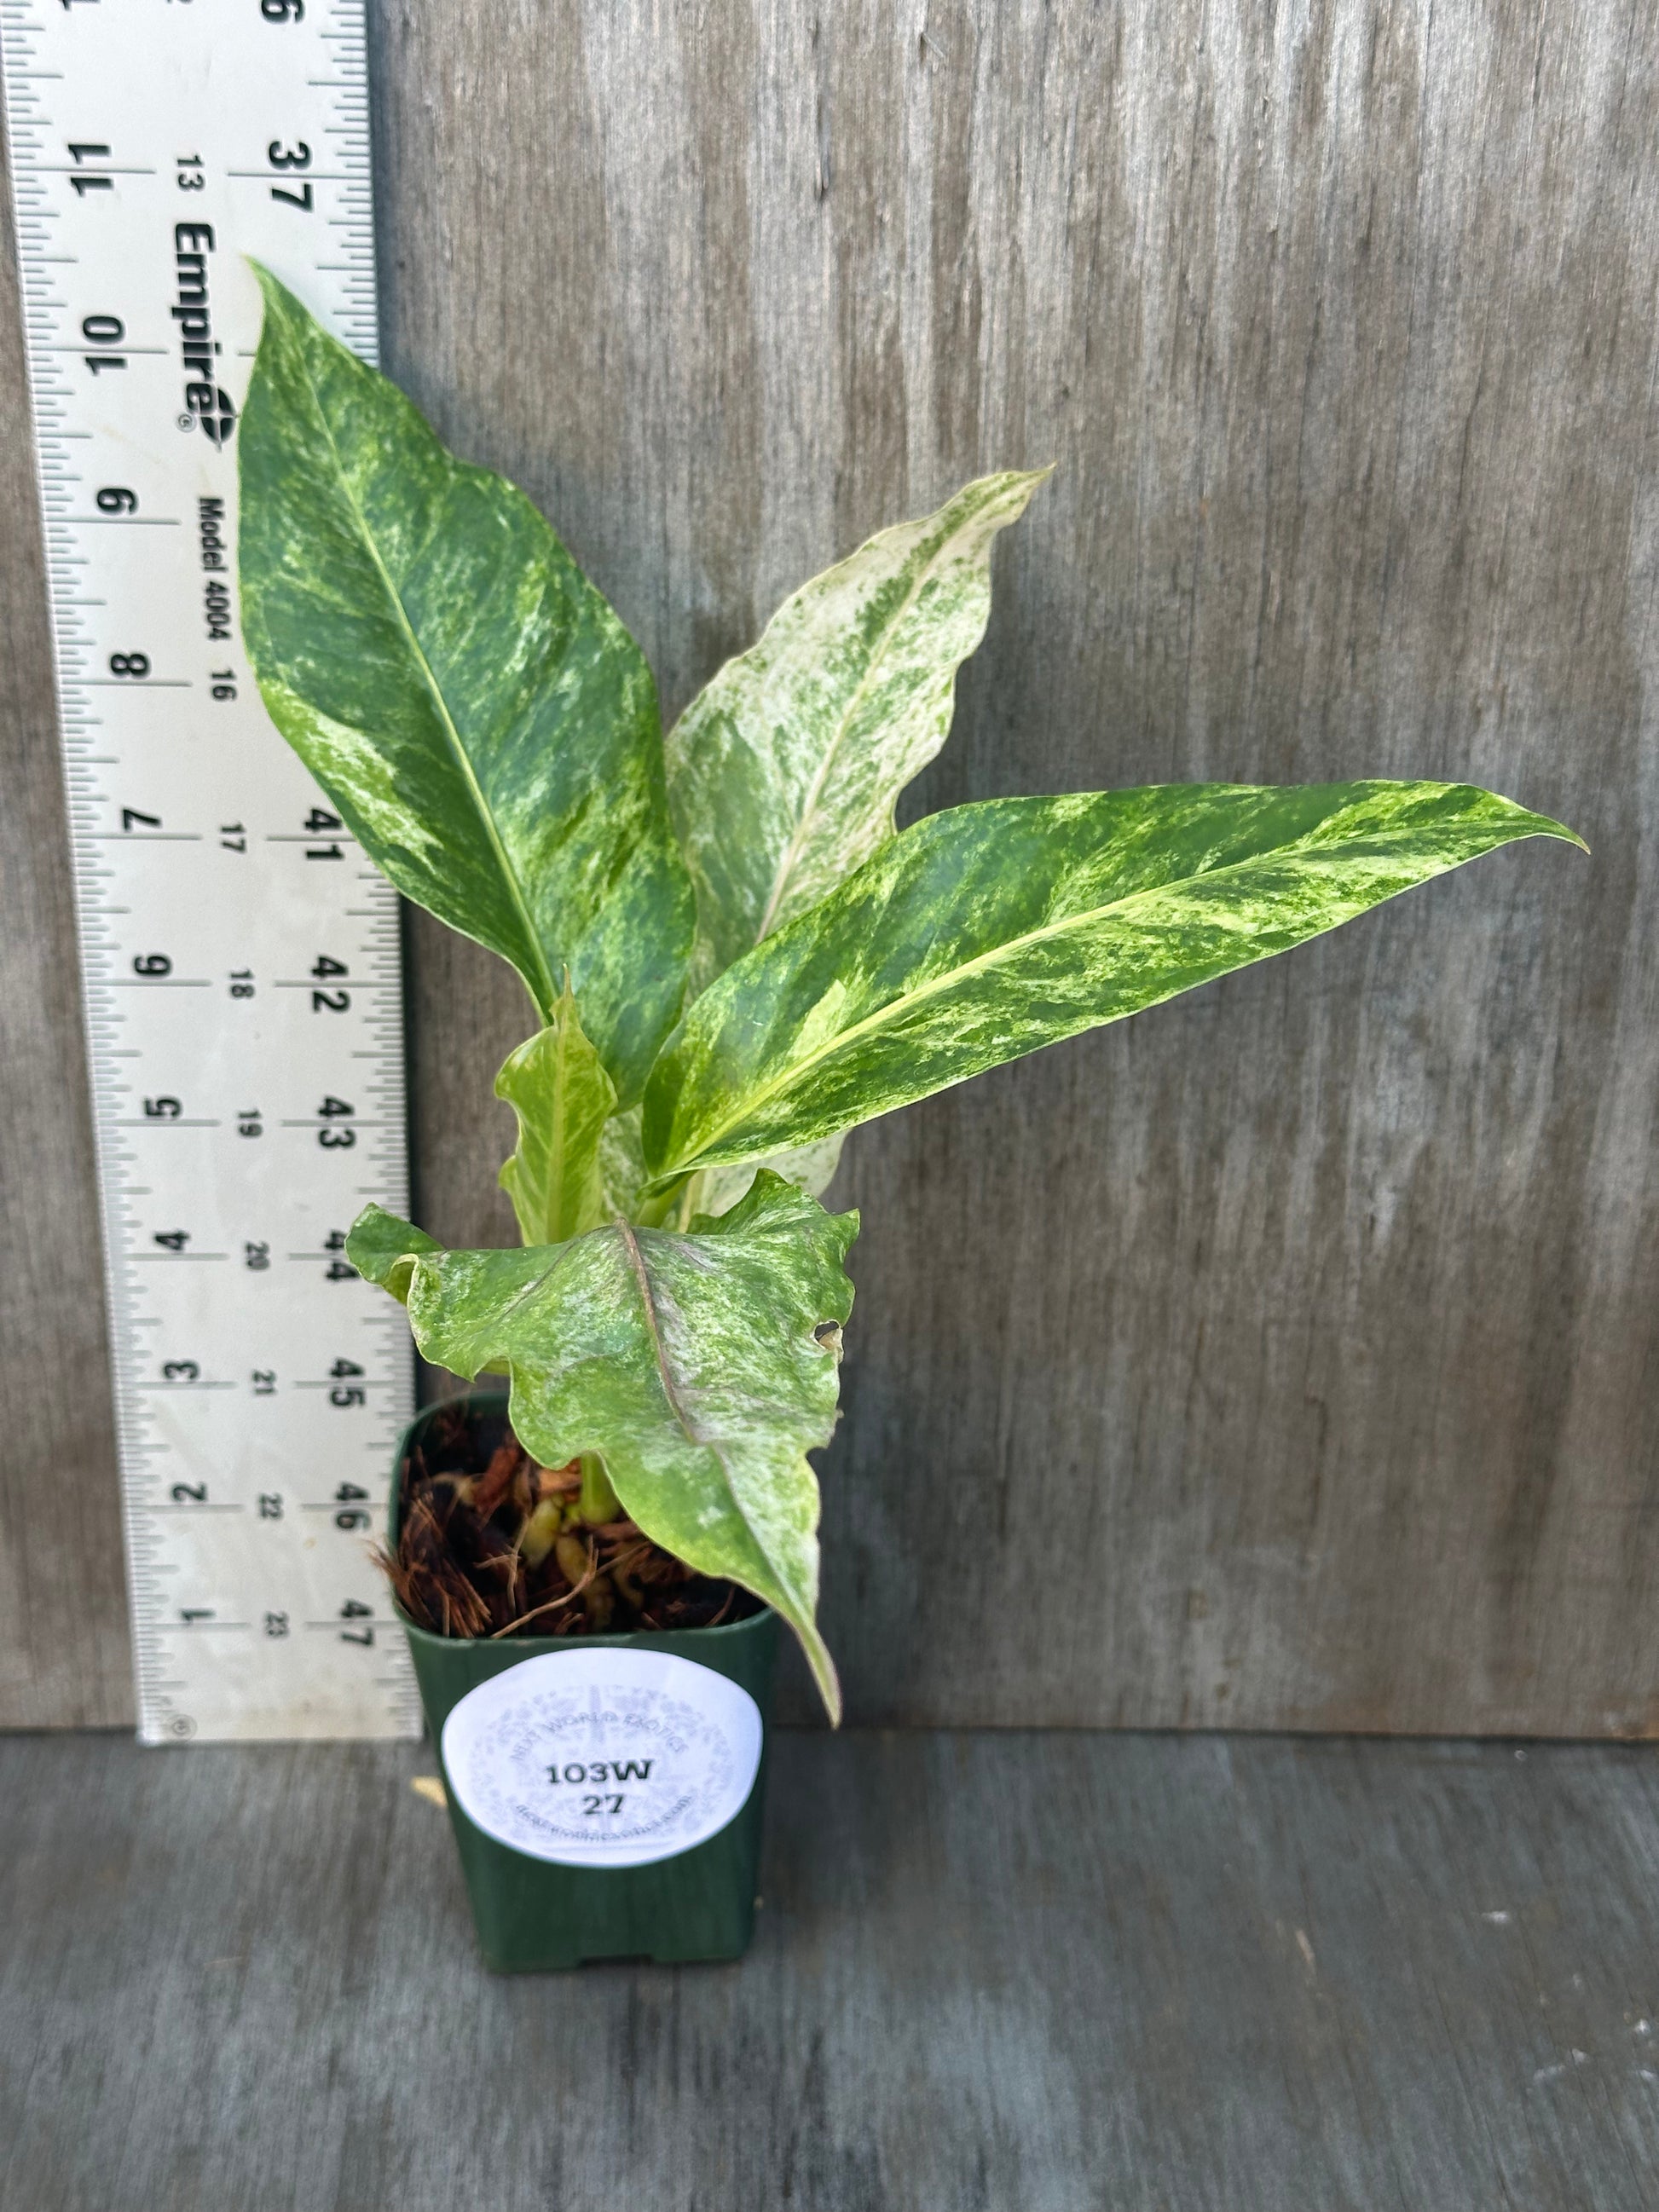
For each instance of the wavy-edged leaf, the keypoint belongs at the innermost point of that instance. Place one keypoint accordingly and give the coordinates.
(985, 931)
(783, 772)
(702, 1368)
(384, 1249)
(556, 1084)
(474, 708)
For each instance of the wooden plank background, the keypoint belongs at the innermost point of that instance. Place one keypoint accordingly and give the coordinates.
(1252, 1975)
(1284, 1357)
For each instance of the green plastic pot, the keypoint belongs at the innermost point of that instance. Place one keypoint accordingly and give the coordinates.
(532, 1915)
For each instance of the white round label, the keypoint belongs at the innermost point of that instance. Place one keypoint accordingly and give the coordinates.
(605, 1757)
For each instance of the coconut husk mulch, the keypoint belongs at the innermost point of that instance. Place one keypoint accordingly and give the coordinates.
(493, 1545)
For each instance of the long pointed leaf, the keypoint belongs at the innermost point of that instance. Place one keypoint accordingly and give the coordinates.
(556, 1084)
(985, 931)
(783, 772)
(701, 1368)
(477, 714)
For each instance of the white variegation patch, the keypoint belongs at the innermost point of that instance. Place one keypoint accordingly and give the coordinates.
(556, 1084)
(989, 930)
(477, 714)
(783, 773)
(810, 1168)
(702, 1369)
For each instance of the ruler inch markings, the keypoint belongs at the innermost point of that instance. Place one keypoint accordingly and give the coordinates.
(251, 1386)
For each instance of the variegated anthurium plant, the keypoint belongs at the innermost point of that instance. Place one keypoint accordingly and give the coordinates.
(734, 954)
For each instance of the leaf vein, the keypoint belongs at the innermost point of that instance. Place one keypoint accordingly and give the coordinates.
(792, 1072)
(790, 857)
(659, 1352)
(452, 734)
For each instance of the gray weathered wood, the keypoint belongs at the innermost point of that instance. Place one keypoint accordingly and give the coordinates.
(63, 1659)
(1053, 1971)
(1283, 1358)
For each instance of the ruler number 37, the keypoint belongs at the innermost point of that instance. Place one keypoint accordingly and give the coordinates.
(289, 160)
(297, 156)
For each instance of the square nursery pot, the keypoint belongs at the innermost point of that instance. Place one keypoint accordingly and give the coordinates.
(605, 1791)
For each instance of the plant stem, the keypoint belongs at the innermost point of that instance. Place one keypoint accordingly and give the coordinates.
(599, 1503)
(653, 1212)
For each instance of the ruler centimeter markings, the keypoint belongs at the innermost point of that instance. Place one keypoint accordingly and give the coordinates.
(240, 957)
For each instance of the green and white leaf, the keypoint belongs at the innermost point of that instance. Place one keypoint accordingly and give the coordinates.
(702, 1368)
(810, 1168)
(622, 1177)
(987, 931)
(784, 771)
(557, 1086)
(384, 1249)
(475, 710)
(626, 1185)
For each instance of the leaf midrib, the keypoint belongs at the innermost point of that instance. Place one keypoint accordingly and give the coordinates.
(665, 1375)
(636, 1260)
(553, 1191)
(796, 1069)
(545, 996)
(791, 851)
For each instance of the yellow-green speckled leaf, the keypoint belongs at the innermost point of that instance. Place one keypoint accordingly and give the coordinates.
(702, 1369)
(987, 931)
(784, 770)
(556, 1084)
(810, 1168)
(473, 708)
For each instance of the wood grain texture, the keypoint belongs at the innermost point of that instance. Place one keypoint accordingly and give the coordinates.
(1285, 1356)
(1060, 1970)
(64, 1651)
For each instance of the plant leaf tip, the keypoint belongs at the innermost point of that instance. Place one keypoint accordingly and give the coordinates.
(1547, 826)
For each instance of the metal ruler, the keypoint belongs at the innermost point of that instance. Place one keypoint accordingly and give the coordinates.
(240, 957)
